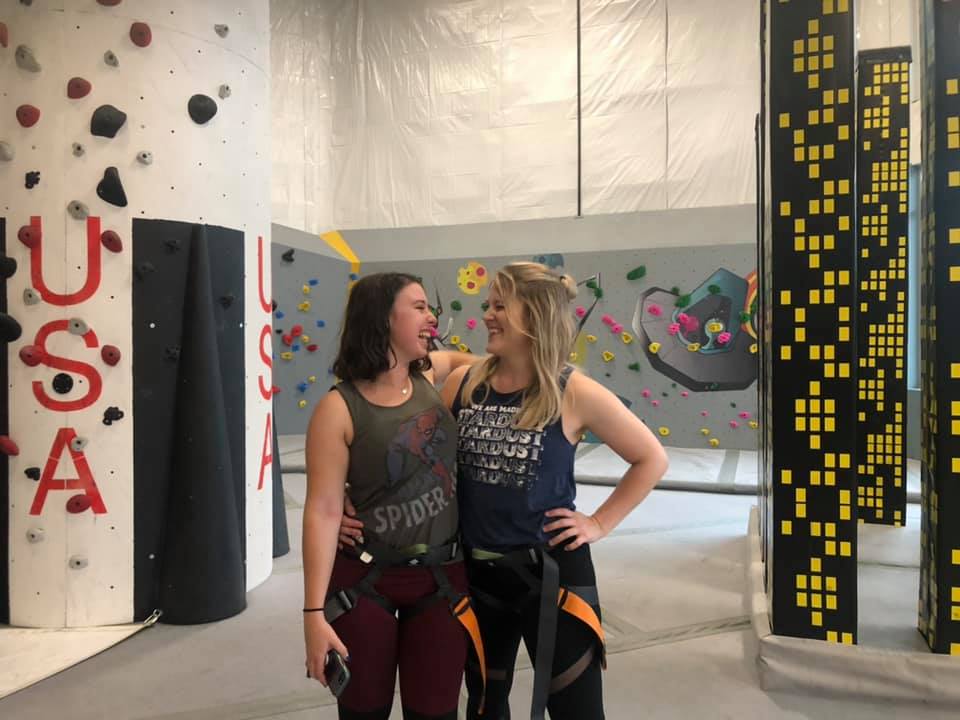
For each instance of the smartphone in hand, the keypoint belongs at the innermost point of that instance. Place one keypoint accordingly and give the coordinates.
(337, 673)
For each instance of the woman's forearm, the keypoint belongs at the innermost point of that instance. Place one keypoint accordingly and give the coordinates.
(320, 528)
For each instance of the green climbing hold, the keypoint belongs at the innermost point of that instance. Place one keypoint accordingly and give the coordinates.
(714, 289)
(637, 273)
(455, 305)
(592, 284)
(634, 366)
(673, 385)
(598, 292)
(675, 290)
(744, 317)
(485, 306)
(682, 301)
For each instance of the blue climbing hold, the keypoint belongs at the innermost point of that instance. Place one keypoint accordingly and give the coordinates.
(354, 276)
(313, 281)
(321, 323)
(302, 387)
(279, 315)
(296, 348)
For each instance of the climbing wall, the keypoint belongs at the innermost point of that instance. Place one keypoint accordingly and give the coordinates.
(116, 111)
(310, 292)
(939, 611)
(670, 331)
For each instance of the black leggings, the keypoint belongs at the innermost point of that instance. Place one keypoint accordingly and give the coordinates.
(576, 689)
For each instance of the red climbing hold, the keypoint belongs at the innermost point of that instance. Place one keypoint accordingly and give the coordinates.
(8, 446)
(275, 390)
(78, 88)
(111, 241)
(110, 354)
(4, 35)
(287, 340)
(296, 331)
(28, 115)
(31, 355)
(311, 347)
(110, 3)
(30, 236)
(78, 504)
(141, 34)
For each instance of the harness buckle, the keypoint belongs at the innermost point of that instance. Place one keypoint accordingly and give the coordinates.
(366, 557)
(534, 558)
(454, 547)
(344, 599)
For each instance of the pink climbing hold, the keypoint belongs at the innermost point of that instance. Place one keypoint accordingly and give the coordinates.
(30, 236)
(616, 328)
(607, 320)
(433, 332)
(646, 393)
(683, 318)
(141, 34)
(110, 355)
(78, 504)
(745, 415)
(723, 338)
(655, 310)
(674, 328)
(655, 403)
(691, 324)
(705, 413)
(734, 424)
(111, 241)
(31, 355)
(581, 311)
(296, 331)
(684, 394)
(78, 88)
(471, 323)
(8, 446)
(4, 35)
(28, 115)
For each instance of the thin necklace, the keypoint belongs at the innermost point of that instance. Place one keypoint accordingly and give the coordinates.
(404, 390)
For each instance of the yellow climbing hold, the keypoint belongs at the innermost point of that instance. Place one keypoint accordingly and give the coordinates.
(754, 424)
(304, 339)
(704, 431)
(714, 327)
(654, 347)
(304, 306)
(306, 289)
(591, 338)
(463, 348)
(302, 404)
(753, 349)
(312, 379)
(627, 338)
(693, 347)
(573, 357)
(664, 431)
(714, 442)
(455, 339)
(287, 355)
(608, 356)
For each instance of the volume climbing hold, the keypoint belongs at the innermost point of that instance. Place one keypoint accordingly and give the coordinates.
(608, 356)
(31, 296)
(32, 473)
(34, 535)
(111, 59)
(26, 59)
(78, 210)
(62, 383)
(110, 189)
(76, 326)
(106, 121)
(141, 34)
(145, 157)
(142, 270)
(654, 347)
(224, 92)
(8, 447)
(78, 150)
(31, 355)
(7, 152)
(110, 355)
(8, 266)
(287, 255)
(201, 108)
(78, 504)
(28, 115)
(31, 179)
(78, 562)
(78, 87)
(30, 235)
(221, 30)
(111, 241)
(10, 329)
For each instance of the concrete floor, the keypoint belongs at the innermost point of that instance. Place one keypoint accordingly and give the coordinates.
(672, 583)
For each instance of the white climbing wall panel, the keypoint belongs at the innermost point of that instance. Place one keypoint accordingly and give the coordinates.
(217, 174)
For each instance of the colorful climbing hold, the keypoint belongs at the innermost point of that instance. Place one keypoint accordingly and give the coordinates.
(305, 289)
(456, 305)
(110, 188)
(304, 339)
(693, 347)
(753, 349)
(684, 393)
(8, 266)
(714, 289)
(313, 282)
(654, 347)
(646, 392)
(304, 306)
(704, 431)
(321, 323)
(655, 310)
(110, 354)
(302, 404)
(580, 312)
(682, 301)
(455, 339)
(312, 379)
(296, 330)
(31, 355)
(607, 320)
(626, 337)
(608, 356)
(287, 340)
(141, 34)
(723, 338)
(471, 324)
(664, 431)
(714, 442)
(705, 413)
(673, 328)
(287, 356)
(111, 241)
(30, 236)
(754, 424)
(616, 328)
(744, 316)
(734, 424)
(463, 348)
(637, 273)
(744, 414)
(655, 403)
(573, 357)
(8, 446)
(78, 504)
(598, 292)
(78, 87)
(714, 326)
(28, 115)
(302, 387)
(591, 338)
(634, 366)
(312, 347)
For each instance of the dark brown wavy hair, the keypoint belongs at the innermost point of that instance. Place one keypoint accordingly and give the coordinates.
(365, 350)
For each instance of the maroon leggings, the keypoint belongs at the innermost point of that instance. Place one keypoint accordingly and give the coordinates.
(429, 646)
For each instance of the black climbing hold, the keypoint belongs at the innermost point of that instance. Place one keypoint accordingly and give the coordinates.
(111, 59)
(227, 300)
(33, 473)
(273, 305)
(607, 374)
(10, 329)
(107, 121)
(111, 415)
(173, 244)
(62, 383)
(221, 30)
(172, 352)
(143, 269)
(110, 188)
(78, 87)
(733, 404)
(287, 256)
(78, 150)
(140, 34)
(666, 394)
(201, 108)
(279, 331)
(8, 266)
(31, 179)
(111, 241)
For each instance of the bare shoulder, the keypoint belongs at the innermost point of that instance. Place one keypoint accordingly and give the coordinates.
(331, 417)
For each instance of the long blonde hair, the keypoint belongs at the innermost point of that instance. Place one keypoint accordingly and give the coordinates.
(543, 298)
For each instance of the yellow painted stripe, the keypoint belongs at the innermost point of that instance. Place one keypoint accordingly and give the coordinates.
(335, 240)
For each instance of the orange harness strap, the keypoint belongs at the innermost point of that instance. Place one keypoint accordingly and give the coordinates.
(573, 604)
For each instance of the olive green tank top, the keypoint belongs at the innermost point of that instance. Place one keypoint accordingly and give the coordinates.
(402, 472)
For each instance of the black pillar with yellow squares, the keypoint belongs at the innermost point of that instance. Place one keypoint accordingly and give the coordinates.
(811, 257)
(883, 177)
(939, 614)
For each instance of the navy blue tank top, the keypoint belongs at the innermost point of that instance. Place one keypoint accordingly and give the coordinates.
(508, 477)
